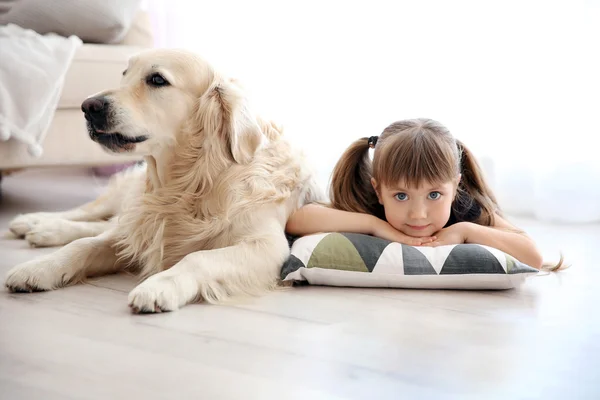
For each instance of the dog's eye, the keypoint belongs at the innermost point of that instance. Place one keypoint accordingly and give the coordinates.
(157, 80)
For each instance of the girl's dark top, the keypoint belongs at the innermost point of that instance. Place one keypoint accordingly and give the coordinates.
(464, 209)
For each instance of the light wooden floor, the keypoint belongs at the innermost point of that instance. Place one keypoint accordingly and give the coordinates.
(539, 342)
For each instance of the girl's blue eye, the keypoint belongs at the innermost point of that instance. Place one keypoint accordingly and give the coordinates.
(401, 196)
(434, 195)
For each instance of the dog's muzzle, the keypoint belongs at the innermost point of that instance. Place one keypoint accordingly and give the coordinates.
(97, 111)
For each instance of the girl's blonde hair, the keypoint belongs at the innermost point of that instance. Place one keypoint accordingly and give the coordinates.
(412, 151)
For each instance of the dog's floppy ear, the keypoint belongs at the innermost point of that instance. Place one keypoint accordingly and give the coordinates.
(224, 113)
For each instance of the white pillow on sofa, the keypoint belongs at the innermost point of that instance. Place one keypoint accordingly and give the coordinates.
(350, 259)
(93, 21)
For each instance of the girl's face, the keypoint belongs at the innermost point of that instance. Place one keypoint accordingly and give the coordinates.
(420, 211)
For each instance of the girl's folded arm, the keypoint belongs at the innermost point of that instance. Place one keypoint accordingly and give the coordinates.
(507, 238)
(313, 218)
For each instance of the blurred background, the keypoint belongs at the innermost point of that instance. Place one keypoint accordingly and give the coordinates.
(517, 81)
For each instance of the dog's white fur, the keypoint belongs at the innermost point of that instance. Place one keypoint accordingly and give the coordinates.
(204, 219)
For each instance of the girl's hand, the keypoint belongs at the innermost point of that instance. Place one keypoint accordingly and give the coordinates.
(454, 234)
(384, 230)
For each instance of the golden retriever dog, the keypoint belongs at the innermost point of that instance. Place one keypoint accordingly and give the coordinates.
(204, 219)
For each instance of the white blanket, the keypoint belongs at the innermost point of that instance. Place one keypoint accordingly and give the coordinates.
(32, 72)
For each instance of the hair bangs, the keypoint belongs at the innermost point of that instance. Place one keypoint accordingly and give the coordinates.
(414, 158)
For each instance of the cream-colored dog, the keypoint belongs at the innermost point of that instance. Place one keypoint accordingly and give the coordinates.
(203, 219)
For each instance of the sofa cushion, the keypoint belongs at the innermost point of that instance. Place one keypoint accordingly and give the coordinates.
(95, 68)
(6, 5)
(92, 21)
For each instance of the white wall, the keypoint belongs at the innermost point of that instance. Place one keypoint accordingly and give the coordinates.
(516, 80)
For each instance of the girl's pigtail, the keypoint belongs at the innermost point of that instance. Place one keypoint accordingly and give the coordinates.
(476, 188)
(351, 188)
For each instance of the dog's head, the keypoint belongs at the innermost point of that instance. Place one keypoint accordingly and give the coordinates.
(165, 95)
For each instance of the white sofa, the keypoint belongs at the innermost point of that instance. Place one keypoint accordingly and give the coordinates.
(95, 67)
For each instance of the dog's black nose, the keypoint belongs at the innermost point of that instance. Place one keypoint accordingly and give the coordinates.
(94, 107)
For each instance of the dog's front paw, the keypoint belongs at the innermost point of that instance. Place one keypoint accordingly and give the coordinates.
(24, 223)
(50, 232)
(156, 294)
(34, 276)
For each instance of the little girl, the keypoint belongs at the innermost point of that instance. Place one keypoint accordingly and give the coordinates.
(423, 188)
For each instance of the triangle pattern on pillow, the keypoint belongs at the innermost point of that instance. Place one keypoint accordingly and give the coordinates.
(515, 266)
(510, 264)
(471, 259)
(390, 261)
(499, 254)
(304, 246)
(292, 264)
(335, 251)
(415, 262)
(370, 248)
(436, 255)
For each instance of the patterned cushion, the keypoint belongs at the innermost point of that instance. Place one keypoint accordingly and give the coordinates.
(350, 259)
